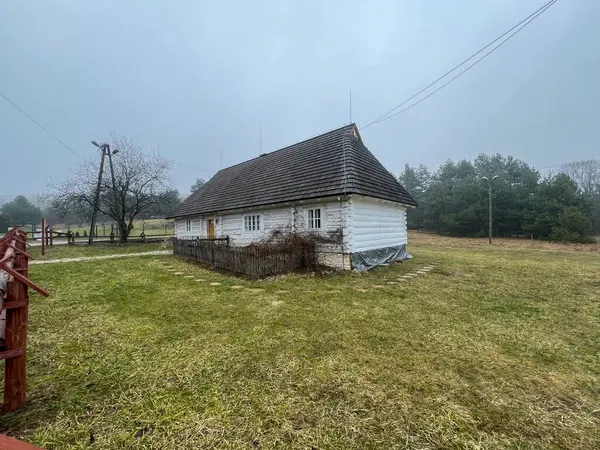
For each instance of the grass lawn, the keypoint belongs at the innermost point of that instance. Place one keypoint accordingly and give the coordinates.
(152, 227)
(98, 249)
(498, 347)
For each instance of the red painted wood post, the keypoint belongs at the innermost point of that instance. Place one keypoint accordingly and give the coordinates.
(15, 377)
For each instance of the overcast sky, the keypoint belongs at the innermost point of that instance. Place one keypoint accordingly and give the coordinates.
(199, 78)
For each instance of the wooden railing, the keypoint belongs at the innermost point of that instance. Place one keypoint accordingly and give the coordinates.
(255, 261)
(14, 284)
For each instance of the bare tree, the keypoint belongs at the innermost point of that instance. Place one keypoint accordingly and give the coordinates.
(586, 174)
(141, 180)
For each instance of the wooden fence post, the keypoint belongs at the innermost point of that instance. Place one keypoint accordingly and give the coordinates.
(14, 262)
(43, 235)
(15, 376)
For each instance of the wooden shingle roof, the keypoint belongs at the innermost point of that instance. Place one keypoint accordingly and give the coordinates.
(333, 163)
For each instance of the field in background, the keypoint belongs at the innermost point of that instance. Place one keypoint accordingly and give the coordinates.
(151, 227)
(496, 348)
(514, 243)
(98, 249)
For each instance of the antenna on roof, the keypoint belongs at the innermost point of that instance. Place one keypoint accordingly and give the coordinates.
(260, 140)
(350, 105)
(220, 159)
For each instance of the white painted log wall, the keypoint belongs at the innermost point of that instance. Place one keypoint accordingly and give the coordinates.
(281, 218)
(374, 223)
(198, 228)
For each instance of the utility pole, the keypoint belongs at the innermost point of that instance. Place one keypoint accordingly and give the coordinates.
(112, 175)
(96, 199)
(490, 206)
(105, 148)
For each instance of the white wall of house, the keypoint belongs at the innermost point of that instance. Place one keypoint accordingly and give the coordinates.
(367, 223)
(332, 217)
(374, 223)
(190, 228)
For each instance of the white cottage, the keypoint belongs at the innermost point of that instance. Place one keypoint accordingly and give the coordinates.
(331, 184)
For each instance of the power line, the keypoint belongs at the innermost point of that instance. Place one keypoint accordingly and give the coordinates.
(73, 151)
(523, 22)
(37, 123)
(185, 170)
(455, 77)
(192, 167)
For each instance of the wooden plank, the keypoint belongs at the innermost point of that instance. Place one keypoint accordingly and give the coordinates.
(23, 252)
(15, 368)
(7, 354)
(24, 279)
(15, 304)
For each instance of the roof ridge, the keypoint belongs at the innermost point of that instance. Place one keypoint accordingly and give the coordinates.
(291, 145)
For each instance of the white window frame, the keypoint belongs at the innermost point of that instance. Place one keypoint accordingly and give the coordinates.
(188, 225)
(311, 220)
(252, 223)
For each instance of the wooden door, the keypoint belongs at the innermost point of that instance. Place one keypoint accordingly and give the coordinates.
(211, 228)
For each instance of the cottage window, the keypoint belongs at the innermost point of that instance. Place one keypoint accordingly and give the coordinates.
(188, 225)
(314, 218)
(252, 222)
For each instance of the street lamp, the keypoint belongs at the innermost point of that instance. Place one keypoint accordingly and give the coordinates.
(490, 205)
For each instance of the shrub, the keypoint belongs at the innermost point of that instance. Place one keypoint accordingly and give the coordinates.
(574, 226)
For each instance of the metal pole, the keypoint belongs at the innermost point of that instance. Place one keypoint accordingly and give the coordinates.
(96, 199)
(490, 209)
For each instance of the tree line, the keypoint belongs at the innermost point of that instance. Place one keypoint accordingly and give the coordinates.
(453, 199)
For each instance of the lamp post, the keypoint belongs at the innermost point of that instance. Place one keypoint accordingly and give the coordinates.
(490, 205)
(105, 148)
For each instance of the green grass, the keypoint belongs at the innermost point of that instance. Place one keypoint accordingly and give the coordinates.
(496, 348)
(98, 249)
(151, 227)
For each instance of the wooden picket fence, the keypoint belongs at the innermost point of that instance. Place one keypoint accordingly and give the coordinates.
(254, 261)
